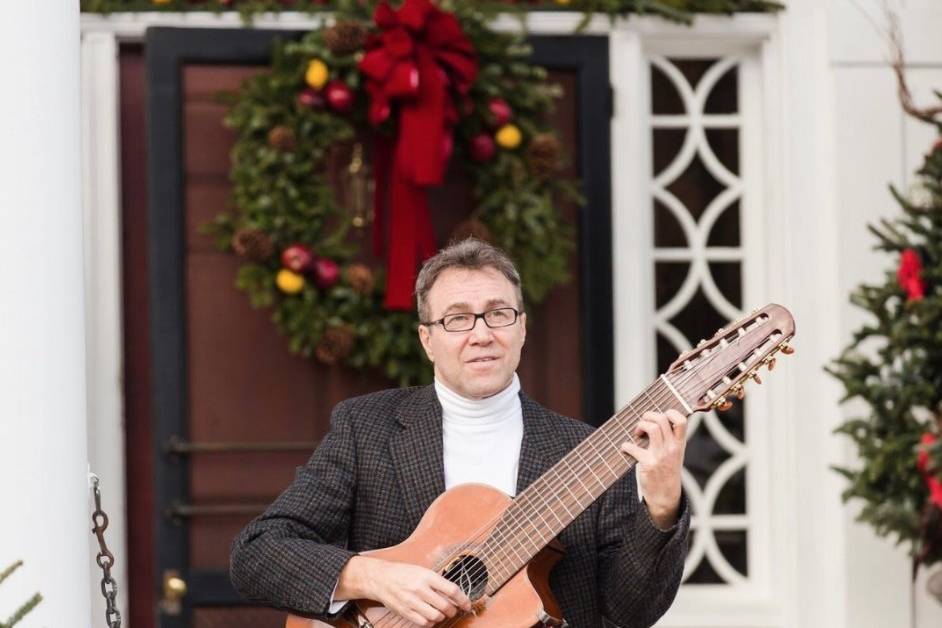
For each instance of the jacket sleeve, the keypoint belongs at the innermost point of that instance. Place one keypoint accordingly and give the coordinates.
(290, 557)
(640, 566)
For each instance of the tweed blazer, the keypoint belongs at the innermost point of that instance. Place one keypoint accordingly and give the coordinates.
(380, 467)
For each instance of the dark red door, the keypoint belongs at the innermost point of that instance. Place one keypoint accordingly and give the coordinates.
(219, 413)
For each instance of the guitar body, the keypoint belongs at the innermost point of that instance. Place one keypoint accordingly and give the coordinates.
(457, 515)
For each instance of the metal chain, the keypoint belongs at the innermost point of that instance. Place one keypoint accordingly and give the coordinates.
(109, 588)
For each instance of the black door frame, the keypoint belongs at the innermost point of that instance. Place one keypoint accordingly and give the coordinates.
(167, 49)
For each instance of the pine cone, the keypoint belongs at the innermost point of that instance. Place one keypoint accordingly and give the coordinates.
(335, 344)
(360, 278)
(472, 228)
(344, 38)
(252, 244)
(282, 138)
(543, 154)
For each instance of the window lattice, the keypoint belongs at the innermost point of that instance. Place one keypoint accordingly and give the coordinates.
(696, 189)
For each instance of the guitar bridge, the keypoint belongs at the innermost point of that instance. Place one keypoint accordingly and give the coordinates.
(354, 617)
(548, 620)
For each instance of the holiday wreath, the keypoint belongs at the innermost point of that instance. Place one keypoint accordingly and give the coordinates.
(412, 87)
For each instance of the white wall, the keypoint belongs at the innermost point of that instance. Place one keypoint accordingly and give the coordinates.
(877, 144)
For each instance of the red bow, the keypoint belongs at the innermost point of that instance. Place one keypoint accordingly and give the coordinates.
(420, 55)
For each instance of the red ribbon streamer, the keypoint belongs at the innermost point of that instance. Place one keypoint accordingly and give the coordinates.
(416, 60)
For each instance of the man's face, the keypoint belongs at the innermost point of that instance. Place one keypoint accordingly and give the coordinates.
(480, 362)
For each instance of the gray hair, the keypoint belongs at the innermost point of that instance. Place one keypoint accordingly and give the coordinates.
(470, 254)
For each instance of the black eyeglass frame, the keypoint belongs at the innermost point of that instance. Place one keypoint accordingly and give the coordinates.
(474, 324)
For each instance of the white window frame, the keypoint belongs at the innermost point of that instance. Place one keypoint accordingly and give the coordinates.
(757, 601)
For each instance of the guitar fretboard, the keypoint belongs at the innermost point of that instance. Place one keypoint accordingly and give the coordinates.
(539, 513)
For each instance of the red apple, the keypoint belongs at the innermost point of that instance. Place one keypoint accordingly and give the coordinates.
(311, 98)
(500, 111)
(326, 272)
(297, 258)
(339, 96)
(482, 147)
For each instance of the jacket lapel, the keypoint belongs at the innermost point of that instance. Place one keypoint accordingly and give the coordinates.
(416, 452)
(540, 448)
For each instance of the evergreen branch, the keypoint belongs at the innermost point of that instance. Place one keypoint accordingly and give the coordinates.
(898, 63)
(9, 570)
(22, 611)
(26, 607)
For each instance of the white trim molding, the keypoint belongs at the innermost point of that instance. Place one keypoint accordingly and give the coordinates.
(101, 199)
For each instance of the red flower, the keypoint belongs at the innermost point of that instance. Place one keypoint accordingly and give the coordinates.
(910, 267)
(922, 463)
(935, 491)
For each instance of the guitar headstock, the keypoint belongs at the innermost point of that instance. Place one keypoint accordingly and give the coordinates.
(716, 368)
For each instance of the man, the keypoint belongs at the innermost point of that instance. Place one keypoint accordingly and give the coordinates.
(389, 454)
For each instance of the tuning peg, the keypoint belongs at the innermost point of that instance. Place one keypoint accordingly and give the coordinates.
(787, 350)
(755, 377)
(770, 363)
(723, 404)
(740, 392)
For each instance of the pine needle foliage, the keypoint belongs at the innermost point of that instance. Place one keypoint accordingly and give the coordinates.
(26, 607)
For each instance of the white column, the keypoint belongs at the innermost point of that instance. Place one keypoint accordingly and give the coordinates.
(45, 518)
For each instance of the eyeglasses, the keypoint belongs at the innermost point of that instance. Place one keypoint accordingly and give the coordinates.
(465, 321)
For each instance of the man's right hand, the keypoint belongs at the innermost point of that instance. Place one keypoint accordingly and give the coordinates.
(415, 593)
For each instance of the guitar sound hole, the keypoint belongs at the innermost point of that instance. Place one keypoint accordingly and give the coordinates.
(469, 573)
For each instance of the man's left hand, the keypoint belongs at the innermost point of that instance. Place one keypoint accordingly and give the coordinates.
(660, 463)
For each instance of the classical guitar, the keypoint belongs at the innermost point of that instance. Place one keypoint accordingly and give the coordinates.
(500, 550)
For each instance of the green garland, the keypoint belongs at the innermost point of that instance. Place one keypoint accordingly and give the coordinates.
(284, 201)
(680, 10)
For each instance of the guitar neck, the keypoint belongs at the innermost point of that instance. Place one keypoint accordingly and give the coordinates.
(539, 513)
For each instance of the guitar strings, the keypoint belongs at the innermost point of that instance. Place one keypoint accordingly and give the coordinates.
(511, 518)
(529, 498)
(552, 488)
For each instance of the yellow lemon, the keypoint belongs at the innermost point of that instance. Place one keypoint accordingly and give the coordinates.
(317, 73)
(508, 136)
(289, 282)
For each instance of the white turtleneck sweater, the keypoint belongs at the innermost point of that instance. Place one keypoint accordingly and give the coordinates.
(480, 441)
(481, 437)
